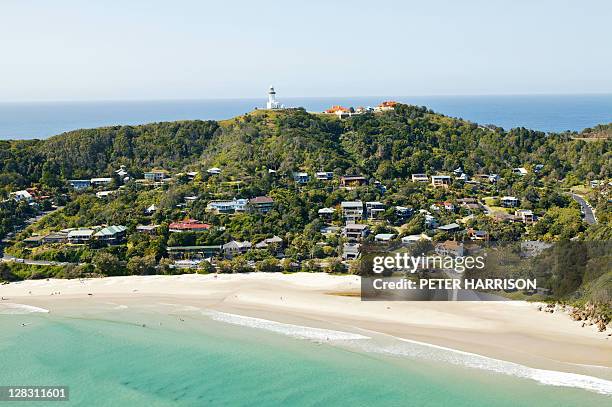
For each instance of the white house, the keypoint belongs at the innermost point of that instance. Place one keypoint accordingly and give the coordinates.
(22, 195)
(384, 237)
(420, 178)
(525, 215)
(520, 171)
(235, 205)
(415, 238)
(214, 171)
(100, 181)
(104, 194)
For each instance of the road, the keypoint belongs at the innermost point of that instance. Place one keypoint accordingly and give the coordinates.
(589, 214)
(8, 258)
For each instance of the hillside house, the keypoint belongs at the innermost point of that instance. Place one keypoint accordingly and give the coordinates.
(156, 175)
(234, 248)
(420, 178)
(443, 181)
(227, 207)
(271, 242)
(326, 213)
(188, 225)
(33, 241)
(147, 229)
(79, 184)
(262, 204)
(111, 234)
(324, 175)
(525, 215)
(80, 236)
(55, 237)
(352, 211)
(301, 177)
(22, 195)
(95, 182)
(474, 234)
(330, 230)
(151, 210)
(374, 209)
(450, 228)
(193, 252)
(430, 221)
(339, 111)
(403, 212)
(104, 194)
(411, 239)
(520, 171)
(509, 201)
(355, 231)
(350, 251)
(384, 237)
(352, 181)
(385, 106)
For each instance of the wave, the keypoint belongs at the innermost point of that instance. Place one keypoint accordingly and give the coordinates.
(294, 331)
(9, 308)
(421, 350)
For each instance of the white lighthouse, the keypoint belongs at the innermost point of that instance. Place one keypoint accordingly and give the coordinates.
(272, 103)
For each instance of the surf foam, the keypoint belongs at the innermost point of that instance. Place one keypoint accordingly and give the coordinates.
(9, 308)
(423, 350)
(294, 331)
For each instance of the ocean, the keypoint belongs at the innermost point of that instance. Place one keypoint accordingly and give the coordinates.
(539, 112)
(186, 356)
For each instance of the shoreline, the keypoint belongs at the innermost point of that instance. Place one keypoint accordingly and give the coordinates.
(506, 331)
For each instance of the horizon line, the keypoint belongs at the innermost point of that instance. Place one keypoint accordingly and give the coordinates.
(112, 100)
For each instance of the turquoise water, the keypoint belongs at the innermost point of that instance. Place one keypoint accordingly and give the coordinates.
(109, 358)
(538, 112)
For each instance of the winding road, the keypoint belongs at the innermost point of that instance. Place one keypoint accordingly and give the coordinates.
(589, 214)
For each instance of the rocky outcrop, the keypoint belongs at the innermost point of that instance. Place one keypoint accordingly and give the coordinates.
(588, 314)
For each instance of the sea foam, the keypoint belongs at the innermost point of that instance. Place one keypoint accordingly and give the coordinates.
(9, 308)
(294, 331)
(422, 350)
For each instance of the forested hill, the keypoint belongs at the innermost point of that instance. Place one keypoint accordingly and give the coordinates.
(385, 145)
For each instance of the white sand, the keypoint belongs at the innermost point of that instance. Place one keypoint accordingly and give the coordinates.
(512, 331)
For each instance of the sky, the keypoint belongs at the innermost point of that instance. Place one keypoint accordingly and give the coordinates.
(184, 49)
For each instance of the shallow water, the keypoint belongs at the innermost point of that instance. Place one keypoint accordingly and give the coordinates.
(186, 357)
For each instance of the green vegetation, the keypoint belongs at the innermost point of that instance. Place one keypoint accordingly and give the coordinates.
(385, 148)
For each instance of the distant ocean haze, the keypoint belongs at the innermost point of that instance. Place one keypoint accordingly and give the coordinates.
(25, 120)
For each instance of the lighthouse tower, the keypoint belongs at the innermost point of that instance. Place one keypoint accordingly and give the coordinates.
(272, 103)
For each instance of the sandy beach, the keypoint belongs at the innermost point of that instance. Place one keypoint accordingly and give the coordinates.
(509, 331)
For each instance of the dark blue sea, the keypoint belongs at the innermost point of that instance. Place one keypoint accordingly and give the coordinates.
(540, 112)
